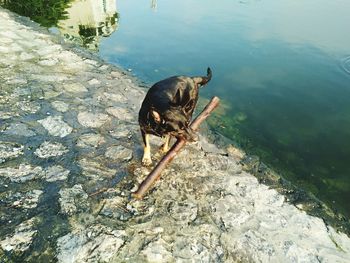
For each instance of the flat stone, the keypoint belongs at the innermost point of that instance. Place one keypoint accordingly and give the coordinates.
(94, 244)
(92, 120)
(90, 140)
(115, 97)
(28, 201)
(158, 251)
(75, 88)
(121, 113)
(56, 126)
(19, 129)
(10, 150)
(94, 82)
(26, 56)
(49, 149)
(73, 200)
(28, 106)
(60, 106)
(96, 170)
(22, 238)
(48, 62)
(23, 173)
(119, 153)
(56, 173)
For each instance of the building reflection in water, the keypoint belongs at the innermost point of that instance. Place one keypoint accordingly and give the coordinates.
(89, 20)
(154, 5)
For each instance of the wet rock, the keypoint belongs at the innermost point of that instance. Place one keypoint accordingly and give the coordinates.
(60, 106)
(116, 208)
(19, 129)
(23, 173)
(49, 149)
(26, 56)
(90, 140)
(56, 173)
(75, 88)
(48, 62)
(92, 120)
(96, 170)
(28, 106)
(28, 200)
(56, 126)
(119, 153)
(9, 150)
(7, 115)
(121, 133)
(96, 244)
(203, 245)
(183, 212)
(21, 239)
(94, 82)
(158, 251)
(115, 97)
(121, 113)
(73, 200)
(50, 78)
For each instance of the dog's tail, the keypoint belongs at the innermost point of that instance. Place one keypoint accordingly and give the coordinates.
(203, 80)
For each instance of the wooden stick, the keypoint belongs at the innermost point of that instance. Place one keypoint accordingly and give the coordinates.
(155, 174)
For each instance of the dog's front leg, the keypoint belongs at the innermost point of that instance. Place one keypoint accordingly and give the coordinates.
(165, 146)
(146, 159)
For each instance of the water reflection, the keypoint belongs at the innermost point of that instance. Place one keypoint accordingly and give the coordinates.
(154, 4)
(89, 20)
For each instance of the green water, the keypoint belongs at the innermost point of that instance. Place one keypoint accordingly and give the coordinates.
(282, 69)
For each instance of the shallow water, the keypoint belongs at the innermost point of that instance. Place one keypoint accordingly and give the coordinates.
(281, 67)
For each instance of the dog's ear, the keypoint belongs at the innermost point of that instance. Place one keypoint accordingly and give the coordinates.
(156, 116)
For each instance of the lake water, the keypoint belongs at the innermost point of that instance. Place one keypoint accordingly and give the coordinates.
(282, 69)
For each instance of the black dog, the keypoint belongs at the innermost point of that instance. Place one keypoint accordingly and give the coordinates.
(167, 110)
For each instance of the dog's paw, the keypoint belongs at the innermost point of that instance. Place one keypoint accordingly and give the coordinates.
(146, 161)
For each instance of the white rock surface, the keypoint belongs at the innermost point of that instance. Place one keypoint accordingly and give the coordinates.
(56, 126)
(50, 149)
(92, 120)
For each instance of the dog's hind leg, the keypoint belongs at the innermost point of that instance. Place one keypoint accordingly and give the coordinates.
(165, 147)
(146, 159)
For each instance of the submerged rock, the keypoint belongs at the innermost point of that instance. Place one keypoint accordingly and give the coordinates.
(119, 153)
(96, 170)
(9, 150)
(60, 106)
(23, 173)
(73, 200)
(90, 140)
(22, 238)
(19, 129)
(28, 200)
(116, 208)
(56, 126)
(56, 173)
(95, 244)
(92, 120)
(49, 149)
(75, 88)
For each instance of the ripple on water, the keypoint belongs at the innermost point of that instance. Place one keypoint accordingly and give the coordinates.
(345, 64)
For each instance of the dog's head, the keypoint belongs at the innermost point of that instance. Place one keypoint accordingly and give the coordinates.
(175, 122)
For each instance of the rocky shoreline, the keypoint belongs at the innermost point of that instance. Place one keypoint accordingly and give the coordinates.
(70, 157)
